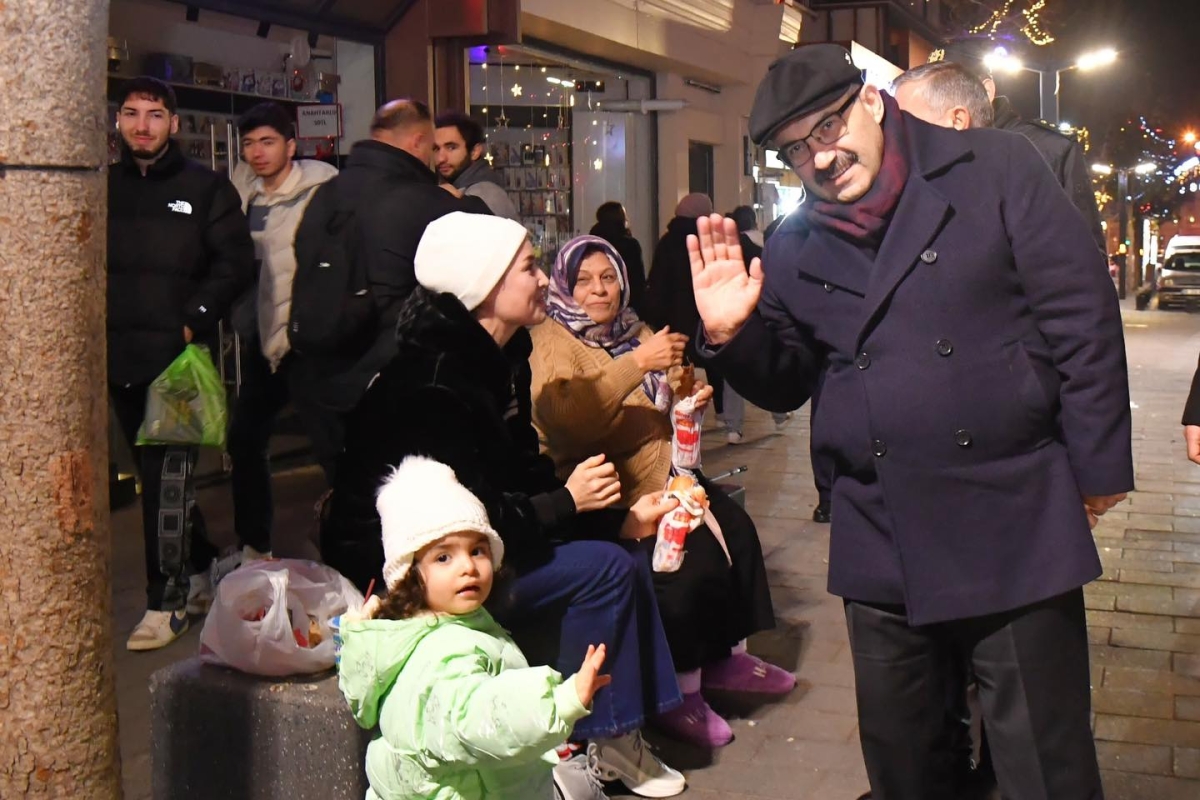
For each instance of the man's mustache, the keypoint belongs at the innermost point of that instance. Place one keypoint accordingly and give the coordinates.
(844, 161)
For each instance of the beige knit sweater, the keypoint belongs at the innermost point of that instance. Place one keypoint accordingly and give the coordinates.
(585, 402)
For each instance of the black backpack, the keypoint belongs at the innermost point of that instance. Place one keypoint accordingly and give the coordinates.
(333, 311)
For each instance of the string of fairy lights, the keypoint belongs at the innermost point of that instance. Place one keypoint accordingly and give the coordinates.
(1031, 26)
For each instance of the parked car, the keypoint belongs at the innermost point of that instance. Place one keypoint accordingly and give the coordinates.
(1178, 281)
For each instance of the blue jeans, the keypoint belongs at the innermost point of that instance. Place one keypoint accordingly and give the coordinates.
(594, 592)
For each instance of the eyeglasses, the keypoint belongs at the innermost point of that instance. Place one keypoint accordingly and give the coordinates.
(827, 131)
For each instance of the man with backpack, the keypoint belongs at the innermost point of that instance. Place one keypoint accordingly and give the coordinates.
(354, 263)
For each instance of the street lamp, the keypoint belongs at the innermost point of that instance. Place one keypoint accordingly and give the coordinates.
(1051, 79)
(1144, 168)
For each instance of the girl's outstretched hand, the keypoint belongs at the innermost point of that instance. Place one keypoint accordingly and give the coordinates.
(588, 680)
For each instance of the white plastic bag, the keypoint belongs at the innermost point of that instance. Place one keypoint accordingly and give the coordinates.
(260, 618)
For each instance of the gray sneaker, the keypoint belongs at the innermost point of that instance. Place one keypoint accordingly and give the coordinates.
(578, 778)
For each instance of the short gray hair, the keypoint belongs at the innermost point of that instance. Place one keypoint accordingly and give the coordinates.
(945, 85)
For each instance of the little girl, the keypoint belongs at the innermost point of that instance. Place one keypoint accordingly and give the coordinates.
(461, 714)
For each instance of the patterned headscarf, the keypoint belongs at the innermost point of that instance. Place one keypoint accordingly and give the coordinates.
(616, 337)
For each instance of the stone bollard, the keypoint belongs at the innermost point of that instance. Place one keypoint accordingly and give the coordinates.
(219, 733)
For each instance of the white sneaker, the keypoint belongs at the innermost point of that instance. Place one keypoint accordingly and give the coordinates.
(223, 565)
(578, 777)
(200, 594)
(157, 629)
(735, 437)
(628, 759)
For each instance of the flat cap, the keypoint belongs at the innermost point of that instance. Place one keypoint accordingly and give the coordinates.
(805, 80)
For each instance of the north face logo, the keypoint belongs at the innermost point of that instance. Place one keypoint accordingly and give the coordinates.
(180, 206)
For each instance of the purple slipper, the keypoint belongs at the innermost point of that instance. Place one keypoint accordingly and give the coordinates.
(695, 723)
(746, 673)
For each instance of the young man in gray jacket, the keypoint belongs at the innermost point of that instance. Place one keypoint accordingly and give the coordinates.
(458, 153)
(274, 203)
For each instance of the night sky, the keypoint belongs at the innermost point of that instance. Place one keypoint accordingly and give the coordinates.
(1158, 74)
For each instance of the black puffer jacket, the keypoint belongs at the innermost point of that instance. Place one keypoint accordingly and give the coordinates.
(450, 394)
(395, 197)
(179, 253)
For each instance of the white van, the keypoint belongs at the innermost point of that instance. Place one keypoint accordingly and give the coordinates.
(1177, 243)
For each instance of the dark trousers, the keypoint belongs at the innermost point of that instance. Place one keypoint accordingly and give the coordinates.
(263, 395)
(593, 592)
(709, 604)
(1034, 688)
(173, 532)
(717, 381)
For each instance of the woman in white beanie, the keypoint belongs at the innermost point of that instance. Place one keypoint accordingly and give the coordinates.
(458, 392)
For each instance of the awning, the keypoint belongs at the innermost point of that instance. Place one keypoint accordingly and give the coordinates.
(365, 20)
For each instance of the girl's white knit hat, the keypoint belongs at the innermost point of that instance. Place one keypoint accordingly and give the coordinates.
(467, 254)
(419, 503)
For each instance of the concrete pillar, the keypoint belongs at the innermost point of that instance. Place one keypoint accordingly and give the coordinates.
(57, 698)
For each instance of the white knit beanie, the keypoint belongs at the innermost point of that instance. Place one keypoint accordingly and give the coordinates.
(419, 503)
(467, 254)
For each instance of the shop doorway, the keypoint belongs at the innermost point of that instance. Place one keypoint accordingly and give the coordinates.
(700, 168)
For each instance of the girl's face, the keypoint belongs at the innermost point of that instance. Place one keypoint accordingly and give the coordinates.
(457, 572)
(598, 289)
(520, 299)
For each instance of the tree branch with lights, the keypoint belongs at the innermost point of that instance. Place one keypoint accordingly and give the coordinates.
(1003, 19)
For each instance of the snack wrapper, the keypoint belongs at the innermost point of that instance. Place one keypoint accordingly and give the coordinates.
(685, 441)
(674, 528)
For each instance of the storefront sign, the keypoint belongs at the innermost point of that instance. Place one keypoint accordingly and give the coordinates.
(319, 121)
(880, 71)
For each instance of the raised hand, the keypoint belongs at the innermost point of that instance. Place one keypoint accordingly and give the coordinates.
(588, 680)
(661, 351)
(725, 293)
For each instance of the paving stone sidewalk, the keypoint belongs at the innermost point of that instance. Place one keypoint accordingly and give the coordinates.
(1144, 615)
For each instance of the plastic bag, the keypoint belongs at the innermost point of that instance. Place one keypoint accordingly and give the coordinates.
(186, 404)
(685, 441)
(272, 617)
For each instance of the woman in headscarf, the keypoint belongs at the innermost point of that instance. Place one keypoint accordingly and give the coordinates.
(603, 382)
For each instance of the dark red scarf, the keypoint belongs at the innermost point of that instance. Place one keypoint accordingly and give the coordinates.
(866, 219)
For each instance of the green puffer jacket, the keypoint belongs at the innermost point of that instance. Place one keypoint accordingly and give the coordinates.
(461, 714)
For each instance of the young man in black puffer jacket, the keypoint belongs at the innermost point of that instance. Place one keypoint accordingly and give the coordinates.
(179, 252)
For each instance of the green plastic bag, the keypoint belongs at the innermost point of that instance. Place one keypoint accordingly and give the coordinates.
(186, 404)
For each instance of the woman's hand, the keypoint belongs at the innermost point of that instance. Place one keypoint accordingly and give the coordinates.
(588, 680)
(661, 351)
(703, 394)
(642, 520)
(594, 484)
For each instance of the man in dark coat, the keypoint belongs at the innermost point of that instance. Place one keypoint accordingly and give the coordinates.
(394, 194)
(179, 253)
(669, 298)
(1062, 152)
(975, 407)
(612, 225)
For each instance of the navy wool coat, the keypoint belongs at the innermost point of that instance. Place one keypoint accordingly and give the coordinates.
(975, 383)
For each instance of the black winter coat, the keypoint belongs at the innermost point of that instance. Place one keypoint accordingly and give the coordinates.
(975, 383)
(630, 251)
(395, 197)
(179, 253)
(450, 394)
(670, 299)
(1065, 157)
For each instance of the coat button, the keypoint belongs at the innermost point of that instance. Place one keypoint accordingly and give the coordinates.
(962, 438)
(863, 361)
(828, 287)
(945, 347)
(929, 256)
(879, 448)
